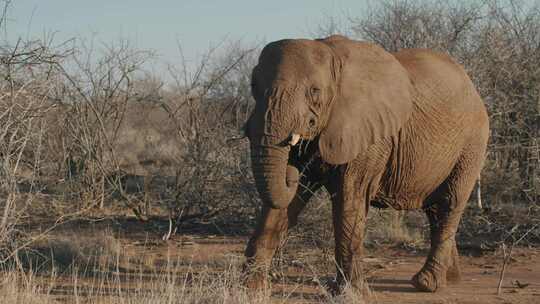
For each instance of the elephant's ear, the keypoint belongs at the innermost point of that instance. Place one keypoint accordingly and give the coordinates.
(373, 102)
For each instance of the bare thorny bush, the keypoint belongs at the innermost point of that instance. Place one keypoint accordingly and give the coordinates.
(27, 78)
(82, 124)
(66, 112)
(95, 94)
(118, 126)
(211, 105)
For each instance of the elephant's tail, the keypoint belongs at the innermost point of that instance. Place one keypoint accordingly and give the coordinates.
(479, 193)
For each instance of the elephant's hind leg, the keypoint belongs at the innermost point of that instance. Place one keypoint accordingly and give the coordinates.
(448, 203)
(453, 273)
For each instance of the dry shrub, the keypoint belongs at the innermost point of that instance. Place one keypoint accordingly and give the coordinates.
(147, 141)
(161, 150)
(96, 90)
(26, 79)
(407, 230)
(61, 253)
(210, 166)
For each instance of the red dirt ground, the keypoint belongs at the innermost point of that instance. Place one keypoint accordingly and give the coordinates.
(388, 273)
(479, 284)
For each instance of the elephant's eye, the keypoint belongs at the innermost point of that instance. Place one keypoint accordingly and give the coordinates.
(312, 122)
(314, 91)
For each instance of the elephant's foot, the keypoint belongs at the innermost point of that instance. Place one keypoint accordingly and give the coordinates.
(256, 282)
(453, 274)
(355, 282)
(427, 280)
(356, 286)
(255, 277)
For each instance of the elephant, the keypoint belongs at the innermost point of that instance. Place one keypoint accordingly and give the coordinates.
(405, 130)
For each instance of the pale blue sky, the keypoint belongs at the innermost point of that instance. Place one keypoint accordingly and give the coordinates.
(159, 24)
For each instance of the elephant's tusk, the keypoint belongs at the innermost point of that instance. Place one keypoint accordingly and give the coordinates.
(294, 139)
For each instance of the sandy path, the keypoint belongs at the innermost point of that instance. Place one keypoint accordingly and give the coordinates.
(479, 284)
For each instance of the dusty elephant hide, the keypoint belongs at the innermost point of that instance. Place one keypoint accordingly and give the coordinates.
(406, 130)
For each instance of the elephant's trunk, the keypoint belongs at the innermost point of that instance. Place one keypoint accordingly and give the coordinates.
(275, 179)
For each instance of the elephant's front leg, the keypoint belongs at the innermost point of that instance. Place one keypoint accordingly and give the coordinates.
(349, 210)
(270, 231)
(271, 228)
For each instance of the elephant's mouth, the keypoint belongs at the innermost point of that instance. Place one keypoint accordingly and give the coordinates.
(303, 154)
(294, 139)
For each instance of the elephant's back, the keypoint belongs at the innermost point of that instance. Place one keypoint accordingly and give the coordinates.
(437, 79)
(444, 93)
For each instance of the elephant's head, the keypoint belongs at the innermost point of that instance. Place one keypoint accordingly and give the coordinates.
(345, 94)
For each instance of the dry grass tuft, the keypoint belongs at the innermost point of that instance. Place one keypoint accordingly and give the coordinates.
(60, 253)
(165, 287)
(397, 228)
(16, 289)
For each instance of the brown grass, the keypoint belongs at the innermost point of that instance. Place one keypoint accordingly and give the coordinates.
(94, 267)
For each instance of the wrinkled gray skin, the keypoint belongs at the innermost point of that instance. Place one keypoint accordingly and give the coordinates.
(406, 130)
